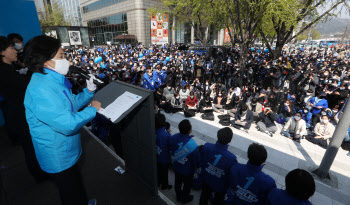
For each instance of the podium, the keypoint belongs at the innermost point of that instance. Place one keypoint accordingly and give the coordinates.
(137, 132)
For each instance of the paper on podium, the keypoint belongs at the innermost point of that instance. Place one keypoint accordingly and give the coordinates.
(114, 110)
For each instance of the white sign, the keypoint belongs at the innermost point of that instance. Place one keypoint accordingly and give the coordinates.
(74, 37)
(120, 105)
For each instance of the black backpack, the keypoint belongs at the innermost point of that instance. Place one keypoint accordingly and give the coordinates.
(189, 113)
(225, 122)
(208, 116)
(224, 117)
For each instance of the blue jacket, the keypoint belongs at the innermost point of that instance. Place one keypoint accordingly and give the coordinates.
(157, 78)
(307, 117)
(54, 121)
(162, 144)
(322, 102)
(278, 196)
(249, 184)
(216, 163)
(148, 82)
(186, 166)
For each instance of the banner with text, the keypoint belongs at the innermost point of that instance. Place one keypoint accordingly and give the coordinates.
(159, 29)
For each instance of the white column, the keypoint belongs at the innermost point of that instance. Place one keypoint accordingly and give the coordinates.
(192, 34)
(173, 30)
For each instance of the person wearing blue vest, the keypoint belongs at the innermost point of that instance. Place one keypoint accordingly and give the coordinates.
(162, 150)
(156, 77)
(54, 119)
(186, 159)
(300, 186)
(249, 185)
(147, 82)
(216, 163)
(318, 103)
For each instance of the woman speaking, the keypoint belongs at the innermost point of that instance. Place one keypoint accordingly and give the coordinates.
(54, 119)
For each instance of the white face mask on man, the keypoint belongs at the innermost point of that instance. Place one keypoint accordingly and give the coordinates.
(18, 46)
(61, 66)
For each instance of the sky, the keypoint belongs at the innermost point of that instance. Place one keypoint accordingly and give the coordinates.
(343, 13)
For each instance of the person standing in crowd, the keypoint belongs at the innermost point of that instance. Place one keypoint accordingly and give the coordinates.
(300, 186)
(186, 160)
(248, 183)
(216, 163)
(13, 87)
(18, 45)
(322, 133)
(163, 156)
(54, 119)
(266, 121)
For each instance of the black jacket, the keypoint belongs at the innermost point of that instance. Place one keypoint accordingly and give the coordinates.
(249, 117)
(13, 87)
(269, 119)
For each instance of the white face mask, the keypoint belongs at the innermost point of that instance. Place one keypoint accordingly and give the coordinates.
(305, 111)
(325, 121)
(297, 118)
(18, 46)
(286, 104)
(61, 66)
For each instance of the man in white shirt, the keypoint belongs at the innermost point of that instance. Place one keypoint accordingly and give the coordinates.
(323, 132)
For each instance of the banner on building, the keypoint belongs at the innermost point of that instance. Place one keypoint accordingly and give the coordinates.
(227, 38)
(74, 37)
(159, 29)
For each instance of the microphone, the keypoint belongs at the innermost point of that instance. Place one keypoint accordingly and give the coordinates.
(74, 69)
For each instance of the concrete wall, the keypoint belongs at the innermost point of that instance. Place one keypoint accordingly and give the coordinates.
(19, 16)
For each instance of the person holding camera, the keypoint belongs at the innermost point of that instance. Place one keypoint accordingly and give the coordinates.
(266, 121)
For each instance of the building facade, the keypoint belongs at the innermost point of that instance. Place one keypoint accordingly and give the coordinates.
(107, 19)
(72, 11)
(110, 18)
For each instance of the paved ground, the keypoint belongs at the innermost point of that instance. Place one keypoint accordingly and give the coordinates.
(284, 155)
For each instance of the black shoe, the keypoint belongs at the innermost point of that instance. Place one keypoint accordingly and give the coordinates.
(187, 199)
(167, 187)
(296, 139)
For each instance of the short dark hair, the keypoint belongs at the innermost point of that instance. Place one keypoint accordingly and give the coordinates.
(244, 107)
(257, 154)
(225, 135)
(167, 125)
(159, 120)
(185, 127)
(300, 184)
(38, 50)
(254, 100)
(12, 36)
(4, 44)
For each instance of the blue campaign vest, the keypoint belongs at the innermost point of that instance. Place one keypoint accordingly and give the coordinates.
(185, 150)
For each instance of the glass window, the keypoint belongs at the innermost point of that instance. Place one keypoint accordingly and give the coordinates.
(100, 4)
